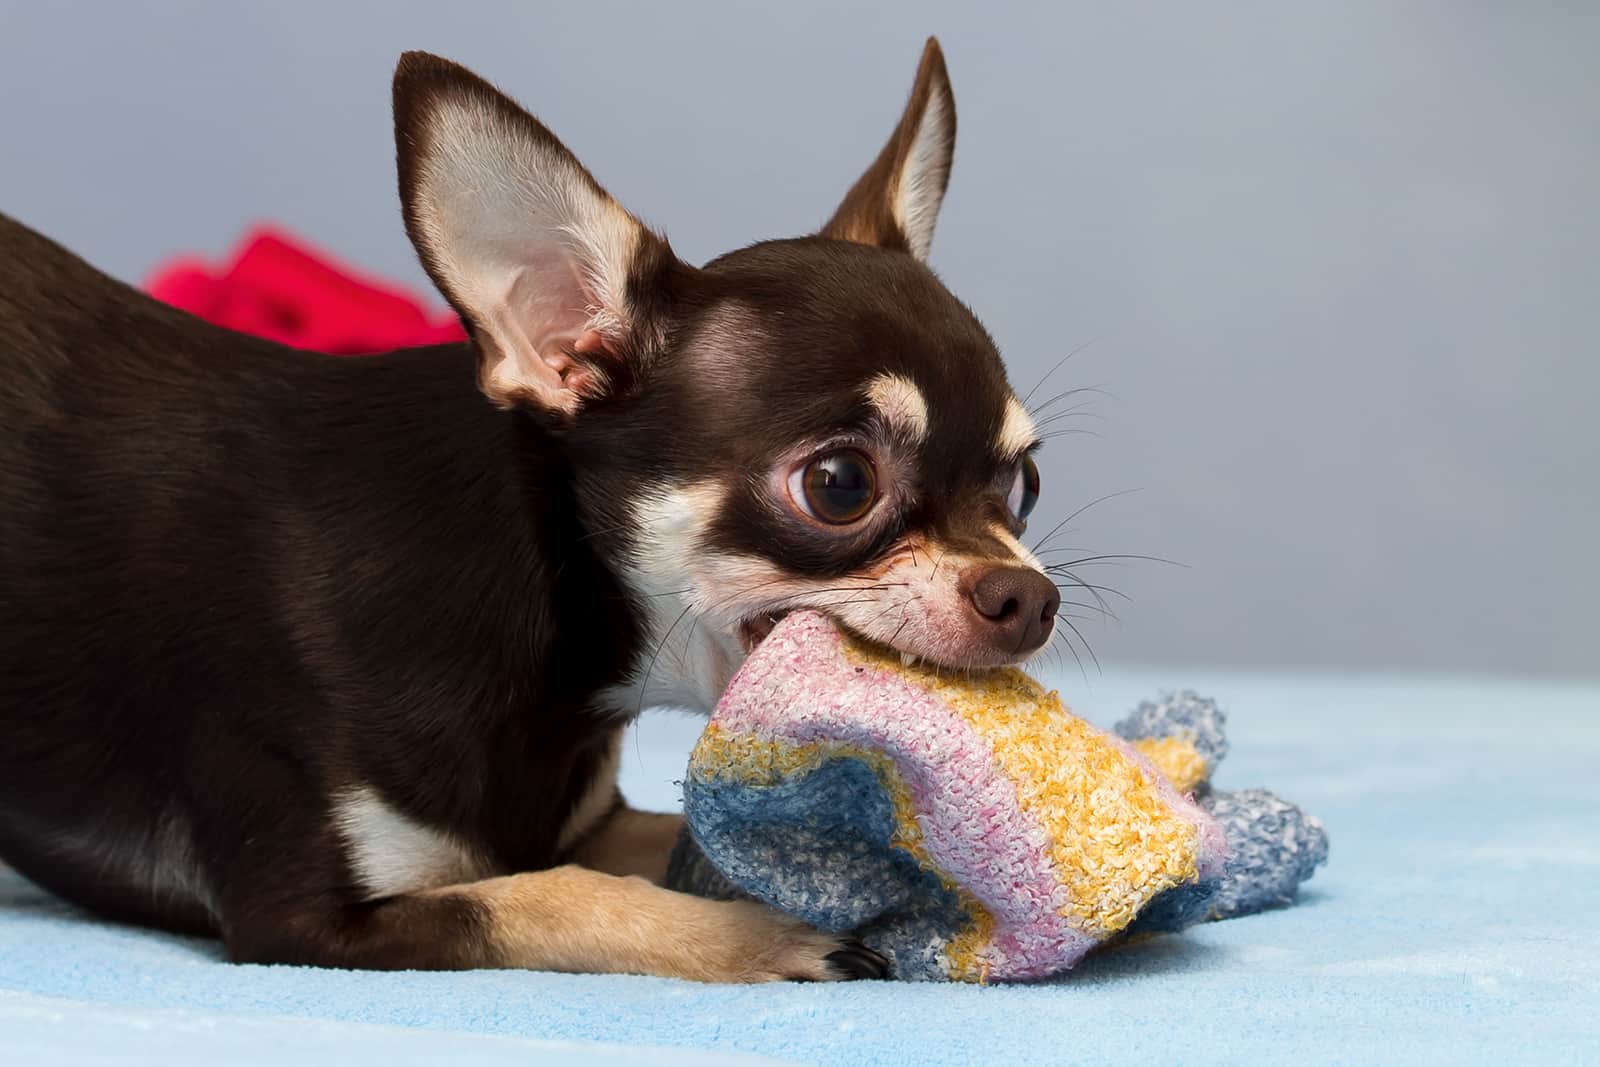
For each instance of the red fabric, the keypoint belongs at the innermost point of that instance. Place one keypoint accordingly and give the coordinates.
(279, 288)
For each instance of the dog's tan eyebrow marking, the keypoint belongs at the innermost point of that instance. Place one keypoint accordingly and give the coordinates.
(1017, 431)
(901, 405)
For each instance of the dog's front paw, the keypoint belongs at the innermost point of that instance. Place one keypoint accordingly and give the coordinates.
(856, 960)
(745, 941)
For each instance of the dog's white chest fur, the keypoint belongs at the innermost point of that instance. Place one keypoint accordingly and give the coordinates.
(390, 853)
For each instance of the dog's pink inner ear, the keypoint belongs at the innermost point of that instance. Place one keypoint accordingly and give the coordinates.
(895, 204)
(581, 378)
(537, 308)
(520, 238)
(592, 343)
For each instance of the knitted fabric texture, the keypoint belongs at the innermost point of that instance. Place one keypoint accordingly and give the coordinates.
(968, 828)
(1273, 846)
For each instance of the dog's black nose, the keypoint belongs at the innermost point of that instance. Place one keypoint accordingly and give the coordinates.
(1016, 607)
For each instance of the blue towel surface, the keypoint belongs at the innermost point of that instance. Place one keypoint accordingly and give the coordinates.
(1453, 923)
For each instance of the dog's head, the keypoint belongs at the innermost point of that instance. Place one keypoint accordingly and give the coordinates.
(809, 422)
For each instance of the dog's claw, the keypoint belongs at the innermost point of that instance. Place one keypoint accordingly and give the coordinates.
(856, 960)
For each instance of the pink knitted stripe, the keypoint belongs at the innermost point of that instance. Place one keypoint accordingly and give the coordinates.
(804, 692)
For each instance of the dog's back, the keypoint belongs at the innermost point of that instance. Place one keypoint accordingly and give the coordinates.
(205, 541)
(87, 369)
(332, 656)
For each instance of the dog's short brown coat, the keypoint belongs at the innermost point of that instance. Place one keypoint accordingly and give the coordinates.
(255, 603)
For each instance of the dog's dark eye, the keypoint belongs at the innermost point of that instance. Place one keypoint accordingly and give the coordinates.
(1025, 490)
(838, 488)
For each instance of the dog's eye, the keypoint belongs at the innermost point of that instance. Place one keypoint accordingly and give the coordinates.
(1025, 490)
(837, 488)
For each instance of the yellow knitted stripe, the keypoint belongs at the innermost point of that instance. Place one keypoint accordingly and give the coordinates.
(964, 953)
(1114, 841)
(752, 761)
(1177, 758)
(749, 760)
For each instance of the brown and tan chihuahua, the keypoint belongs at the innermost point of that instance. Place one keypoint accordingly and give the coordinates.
(331, 658)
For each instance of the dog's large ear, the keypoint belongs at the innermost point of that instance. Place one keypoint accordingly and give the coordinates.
(555, 279)
(896, 202)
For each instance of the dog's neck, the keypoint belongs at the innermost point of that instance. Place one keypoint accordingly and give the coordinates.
(684, 660)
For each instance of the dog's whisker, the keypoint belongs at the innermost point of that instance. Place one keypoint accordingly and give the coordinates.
(1119, 557)
(1092, 587)
(644, 686)
(874, 620)
(1057, 366)
(1060, 417)
(618, 528)
(1076, 411)
(1046, 405)
(1086, 647)
(1045, 540)
(1079, 659)
(896, 635)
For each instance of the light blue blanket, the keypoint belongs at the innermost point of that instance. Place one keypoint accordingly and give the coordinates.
(1455, 922)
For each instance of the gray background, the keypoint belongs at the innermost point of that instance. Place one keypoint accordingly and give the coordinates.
(1335, 262)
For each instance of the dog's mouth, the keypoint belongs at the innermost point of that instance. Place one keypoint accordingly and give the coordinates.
(754, 630)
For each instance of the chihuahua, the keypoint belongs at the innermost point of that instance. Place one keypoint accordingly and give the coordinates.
(331, 658)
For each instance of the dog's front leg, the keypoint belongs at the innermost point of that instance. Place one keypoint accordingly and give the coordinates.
(630, 842)
(567, 918)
